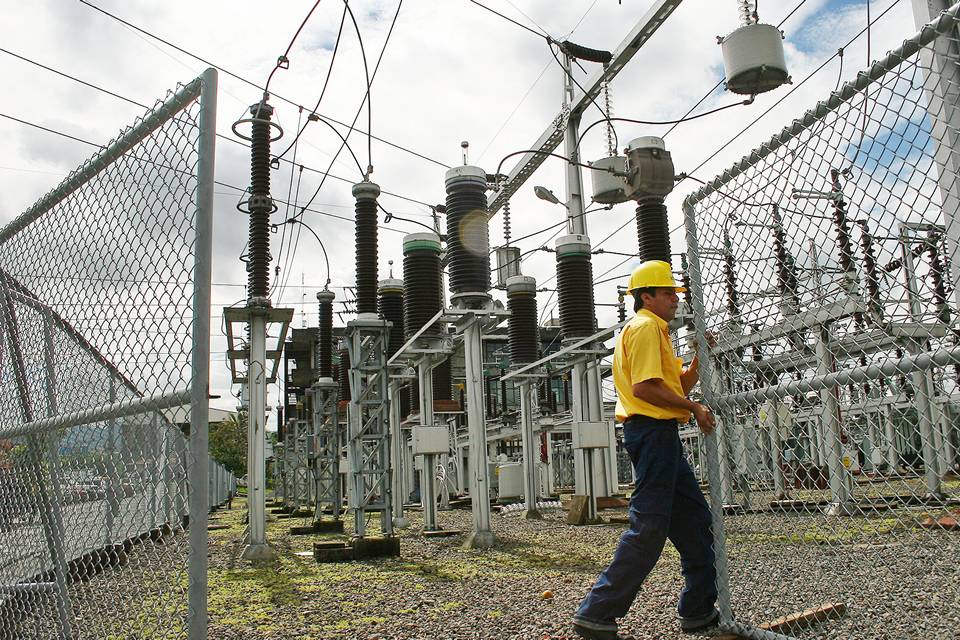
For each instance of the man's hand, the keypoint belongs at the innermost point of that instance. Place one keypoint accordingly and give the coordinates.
(711, 341)
(705, 419)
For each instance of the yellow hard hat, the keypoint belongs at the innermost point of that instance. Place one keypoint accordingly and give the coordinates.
(653, 273)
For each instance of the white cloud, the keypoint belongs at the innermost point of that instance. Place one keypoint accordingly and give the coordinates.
(452, 72)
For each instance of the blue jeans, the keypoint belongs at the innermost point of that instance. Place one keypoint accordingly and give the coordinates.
(666, 503)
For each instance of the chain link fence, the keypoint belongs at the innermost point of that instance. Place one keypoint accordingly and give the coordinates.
(104, 330)
(825, 262)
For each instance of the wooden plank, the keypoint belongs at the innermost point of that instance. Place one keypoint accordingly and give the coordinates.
(578, 510)
(795, 621)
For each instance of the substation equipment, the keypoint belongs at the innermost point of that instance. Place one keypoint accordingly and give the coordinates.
(397, 357)
(259, 314)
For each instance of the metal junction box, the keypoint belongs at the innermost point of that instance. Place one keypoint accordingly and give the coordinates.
(591, 435)
(430, 440)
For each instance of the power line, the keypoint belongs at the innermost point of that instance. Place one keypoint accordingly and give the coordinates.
(508, 19)
(217, 182)
(326, 82)
(367, 99)
(249, 82)
(284, 59)
(219, 135)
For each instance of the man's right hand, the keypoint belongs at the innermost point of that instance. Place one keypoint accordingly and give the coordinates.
(705, 418)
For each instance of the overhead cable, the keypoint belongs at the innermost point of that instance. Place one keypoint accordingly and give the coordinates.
(246, 81)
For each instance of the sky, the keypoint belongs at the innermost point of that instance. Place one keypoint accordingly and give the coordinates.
(451, 72)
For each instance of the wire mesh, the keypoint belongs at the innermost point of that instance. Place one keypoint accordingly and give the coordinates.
(825, 264)
(97, 303)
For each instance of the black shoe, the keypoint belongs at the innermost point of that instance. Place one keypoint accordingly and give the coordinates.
(593, 631)
(699, 624)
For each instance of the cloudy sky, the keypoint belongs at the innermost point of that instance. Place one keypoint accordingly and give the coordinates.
(451, 72)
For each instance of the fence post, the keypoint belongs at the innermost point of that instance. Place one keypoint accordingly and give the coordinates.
(51, 498)
(940, 87)
(710, 442)
(200, 366)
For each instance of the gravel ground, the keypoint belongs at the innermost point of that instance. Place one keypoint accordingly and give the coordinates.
(897, 580)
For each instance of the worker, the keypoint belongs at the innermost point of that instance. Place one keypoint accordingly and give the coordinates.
(652, 403)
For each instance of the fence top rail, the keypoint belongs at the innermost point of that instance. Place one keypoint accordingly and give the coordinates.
(910, 47)
(129, 139)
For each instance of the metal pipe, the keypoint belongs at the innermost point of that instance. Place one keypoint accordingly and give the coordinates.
(428, 494)
(396, 446)
(527, 409)
(839, 479)
(482, 535)
(38, 448)
(257, 548)
(923, 399)
(710, 442)
(576, 221)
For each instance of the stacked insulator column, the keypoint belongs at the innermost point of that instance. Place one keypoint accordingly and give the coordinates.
(324, 357)
(653, 231)
(936, 277)
(343, 375)
(443, 381)
(687, 294)
(840, 224)
(730, 284)
(366, 194)
(786, 269)
(422, 294)
(390, 306)
(575, 286)
(260, 204)
(522, 330)
(468, 240)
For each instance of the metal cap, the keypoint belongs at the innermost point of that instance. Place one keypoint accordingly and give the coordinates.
(465, 173)
(261, 108)
(366, 190)
(422, 240)
(646, 142)
(325, 295)
(576, 243)
(521, 284)
(390, 284)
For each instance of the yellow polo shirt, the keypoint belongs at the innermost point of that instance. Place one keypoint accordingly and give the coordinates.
(643, 352)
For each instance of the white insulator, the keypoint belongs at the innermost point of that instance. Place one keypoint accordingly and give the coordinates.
(747, 10)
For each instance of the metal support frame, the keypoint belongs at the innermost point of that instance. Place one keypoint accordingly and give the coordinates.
(471, 328)
(258, 314)
(428, 482)
(326, 450)
(397, 446)
(257, 548)
(368, 437)
(528, 407)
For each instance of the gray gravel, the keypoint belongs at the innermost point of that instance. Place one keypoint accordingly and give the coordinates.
(897, 581)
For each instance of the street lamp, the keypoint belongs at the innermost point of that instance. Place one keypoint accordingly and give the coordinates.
(545, 194)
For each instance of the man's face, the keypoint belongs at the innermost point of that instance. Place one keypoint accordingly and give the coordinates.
(662, 303)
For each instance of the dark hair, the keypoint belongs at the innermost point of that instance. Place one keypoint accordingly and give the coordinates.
(637, 302)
